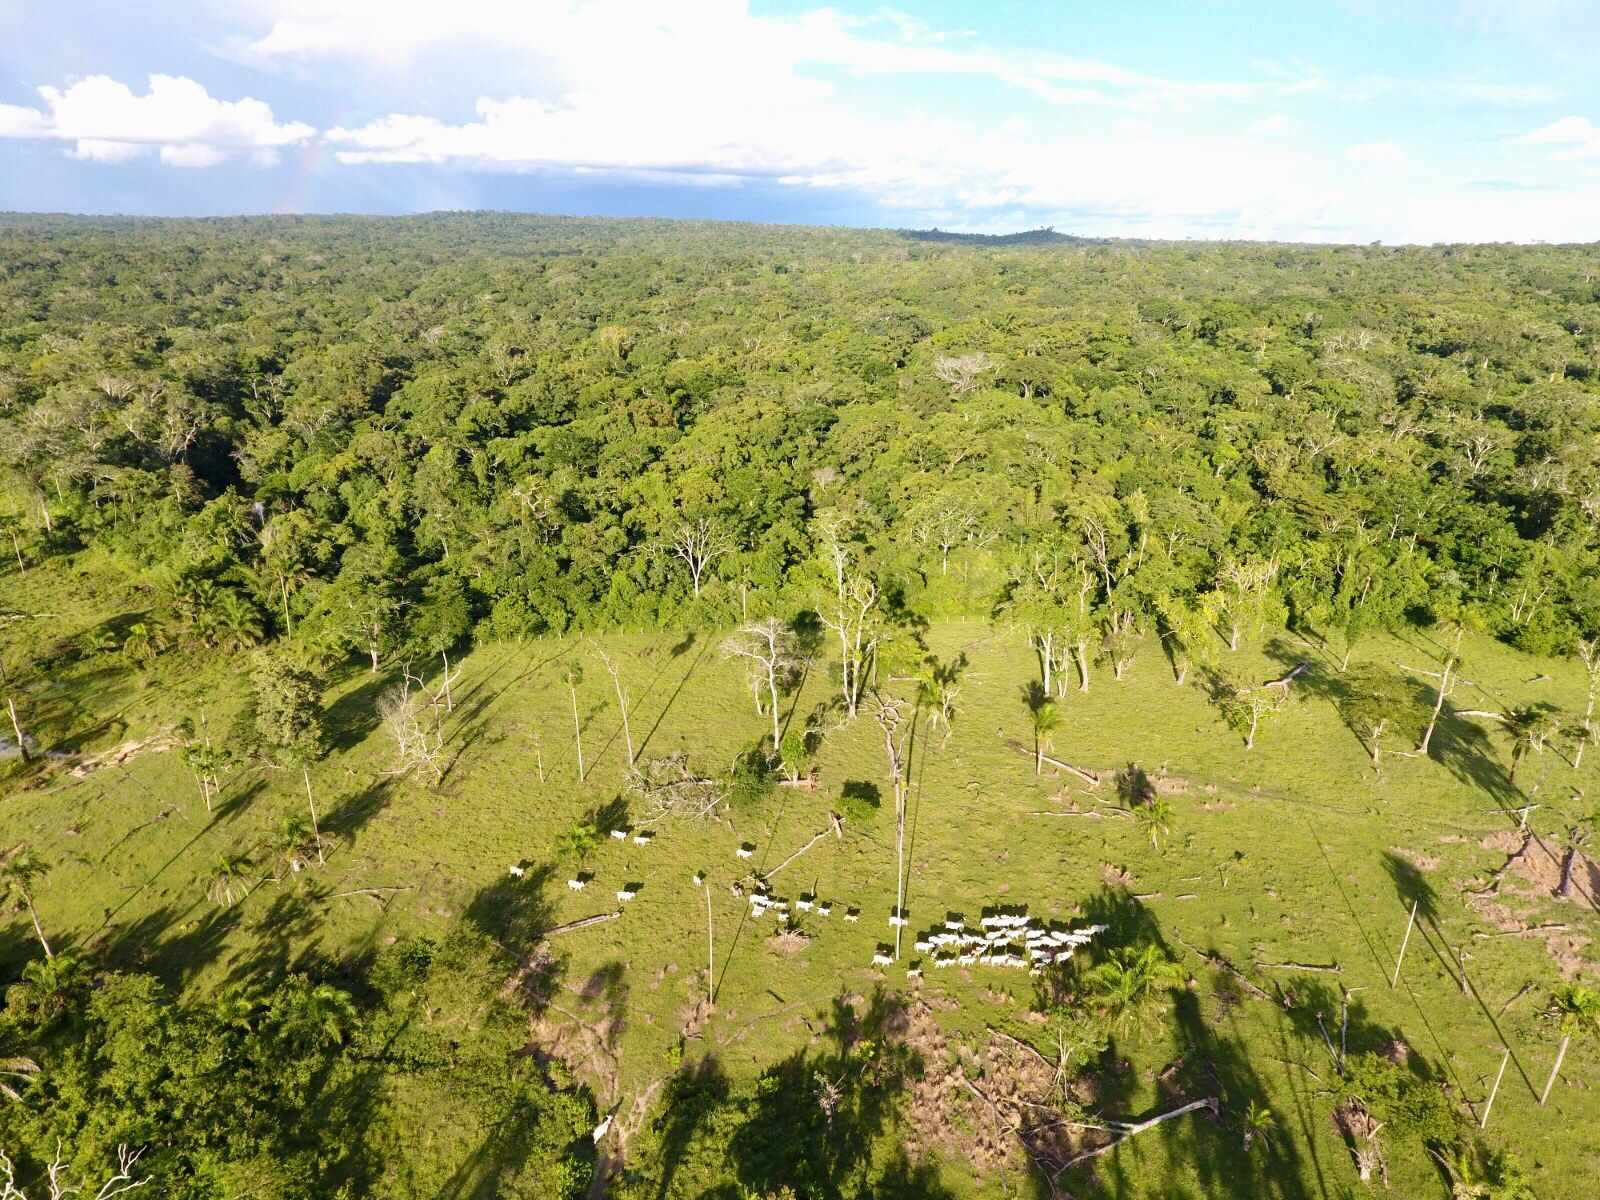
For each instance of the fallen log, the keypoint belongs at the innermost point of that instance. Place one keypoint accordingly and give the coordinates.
(583, 924)
(1134, 1130)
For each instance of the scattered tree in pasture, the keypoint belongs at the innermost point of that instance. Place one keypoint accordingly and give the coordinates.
(1245, 705)
(203, 759)
(578, 842)
(1378, 704)
(16, 728)
(849, 608)
(1575, 1010)
(293, 846)
(1530, 727)
(1448, 677)
(938, 689)
(20, 872)
(572, 676)
(288, 717)
(890, 715)
(769, 647)
(1132, 986)
(1154, 818)
(412, 722)
(1044, 714)
(615, 671)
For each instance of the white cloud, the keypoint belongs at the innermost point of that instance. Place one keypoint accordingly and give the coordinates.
(177, 118)
(1578, 137)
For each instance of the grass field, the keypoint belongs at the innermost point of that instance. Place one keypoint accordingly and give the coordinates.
(1295, 853)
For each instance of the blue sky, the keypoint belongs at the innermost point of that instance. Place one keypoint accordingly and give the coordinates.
(1349, 120)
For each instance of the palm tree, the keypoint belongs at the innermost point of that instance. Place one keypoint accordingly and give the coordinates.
(15, 1068)
(1154, 816)
(228, 882)
(1130, 983)
(1046, 717)
(20, 869)
(238, 621)
(1576, 1010)
(321, 1010)
(144, 643)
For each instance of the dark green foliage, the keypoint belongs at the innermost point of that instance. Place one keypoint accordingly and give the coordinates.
(384, 437)
(302, 1088)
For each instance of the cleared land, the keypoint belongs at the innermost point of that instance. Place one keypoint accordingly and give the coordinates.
(1282, 861)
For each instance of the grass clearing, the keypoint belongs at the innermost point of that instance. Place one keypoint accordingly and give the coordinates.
(1292, 857)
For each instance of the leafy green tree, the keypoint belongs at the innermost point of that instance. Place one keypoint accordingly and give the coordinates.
(289, 720)
(1574, 1009)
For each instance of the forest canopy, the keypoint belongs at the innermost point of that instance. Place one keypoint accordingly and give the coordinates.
(387, 437)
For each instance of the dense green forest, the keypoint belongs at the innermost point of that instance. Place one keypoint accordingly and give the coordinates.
(248, 464)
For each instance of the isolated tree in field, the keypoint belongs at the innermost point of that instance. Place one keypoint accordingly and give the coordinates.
(293, 846)
(20, 872)
(1132, 985)
(1575, 1009)
(1154, 818)
(1378, 704)
(938, 689)
(1045, 715)
(288, 706)
(849, 609)
(203, 759)
(1448, 676)
(962, 372)
(412, 722)
(229, 880)
(769, 648)
(699, 543)
(16, 728)
(1244, 706)
(613, 670)
(896, 729)
(1530, 727)
(572, 676)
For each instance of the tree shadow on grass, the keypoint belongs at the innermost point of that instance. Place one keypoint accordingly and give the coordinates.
(816, 1118)
(514, 912)
(1201, 1156)
(349, 813)
(353, 716)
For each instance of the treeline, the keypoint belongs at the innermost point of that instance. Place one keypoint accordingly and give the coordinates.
(382, 437)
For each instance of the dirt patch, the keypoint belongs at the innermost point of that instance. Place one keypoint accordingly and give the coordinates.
(1115, 876)
(119, 755)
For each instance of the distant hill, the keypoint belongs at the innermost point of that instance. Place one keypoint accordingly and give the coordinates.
(1045, 236)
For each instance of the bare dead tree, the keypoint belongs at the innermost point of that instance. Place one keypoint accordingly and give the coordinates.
(667, 787)
(962, 371)
(769, 648)
(411, 720)
(120, 1182)
(700, 543)
(622, 696)
(849, 612)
